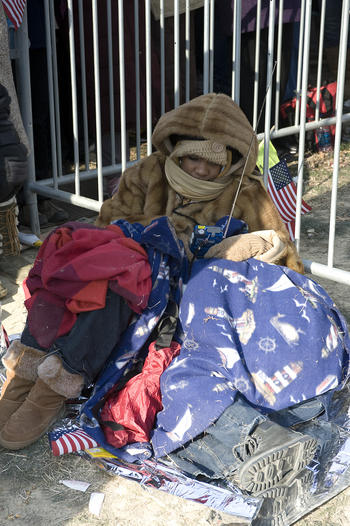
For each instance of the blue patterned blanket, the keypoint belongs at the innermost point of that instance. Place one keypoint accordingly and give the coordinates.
(262, 330)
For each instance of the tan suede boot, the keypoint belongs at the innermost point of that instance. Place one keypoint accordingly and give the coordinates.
(43, 405)
(21, 364)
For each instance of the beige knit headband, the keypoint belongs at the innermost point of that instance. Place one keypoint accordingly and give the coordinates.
(206, 149)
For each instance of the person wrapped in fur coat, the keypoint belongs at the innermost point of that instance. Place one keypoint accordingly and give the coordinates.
(203, 148)
(194, 176)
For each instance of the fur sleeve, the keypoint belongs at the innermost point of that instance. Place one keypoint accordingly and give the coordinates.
(256, 208)
(141, 195)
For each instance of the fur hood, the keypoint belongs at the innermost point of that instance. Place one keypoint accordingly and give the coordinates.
(145, 194)
(212, 116)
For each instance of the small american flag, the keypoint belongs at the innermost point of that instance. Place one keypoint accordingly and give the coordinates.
(283, 192)
(14, 10)
(70, 439)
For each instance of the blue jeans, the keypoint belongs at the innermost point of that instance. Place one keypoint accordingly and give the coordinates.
(212, 454)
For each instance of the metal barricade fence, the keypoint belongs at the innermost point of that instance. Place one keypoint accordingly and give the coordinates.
(134, 24)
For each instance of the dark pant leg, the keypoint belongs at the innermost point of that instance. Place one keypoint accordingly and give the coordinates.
(41, 112)
(302, 412)
(86, 348)
(332, 22)
(211, 455)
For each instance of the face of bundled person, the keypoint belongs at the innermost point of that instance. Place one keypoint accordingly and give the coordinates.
(196, 166)
(200, 168)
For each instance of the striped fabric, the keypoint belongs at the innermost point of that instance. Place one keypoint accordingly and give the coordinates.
(69, 440)
(14, 9)
(283, 192)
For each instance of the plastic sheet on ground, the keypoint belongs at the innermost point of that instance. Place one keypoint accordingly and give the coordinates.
(159, 476)
(326, 476)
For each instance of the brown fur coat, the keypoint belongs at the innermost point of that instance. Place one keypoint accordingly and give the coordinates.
(144, 193)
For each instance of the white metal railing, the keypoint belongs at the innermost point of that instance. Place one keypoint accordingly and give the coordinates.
(145, 82)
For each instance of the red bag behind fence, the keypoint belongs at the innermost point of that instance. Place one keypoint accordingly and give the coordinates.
(327, 109)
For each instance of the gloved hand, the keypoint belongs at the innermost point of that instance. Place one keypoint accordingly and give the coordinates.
(264, 245)
(278, 249)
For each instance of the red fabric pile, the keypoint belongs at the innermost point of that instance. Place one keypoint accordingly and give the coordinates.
(135, 406)
(73, 269)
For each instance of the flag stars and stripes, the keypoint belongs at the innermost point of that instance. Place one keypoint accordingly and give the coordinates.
(283, 192)
(14, 9)
(64, 441)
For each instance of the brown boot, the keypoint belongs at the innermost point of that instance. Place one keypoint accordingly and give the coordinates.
(21, 364)
(43, 405)
(8, 228)
(3, 290)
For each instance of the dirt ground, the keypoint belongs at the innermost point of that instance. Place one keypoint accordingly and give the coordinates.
(30, 488)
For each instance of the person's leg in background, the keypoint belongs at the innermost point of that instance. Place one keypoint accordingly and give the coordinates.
(287, 146)
(331, 42)
(169, 59)
(223, 48)
(248, 43)
(14, 148)
(48, 211)
(13, 172)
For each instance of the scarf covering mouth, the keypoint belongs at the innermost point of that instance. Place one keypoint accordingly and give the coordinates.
(190, 187)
